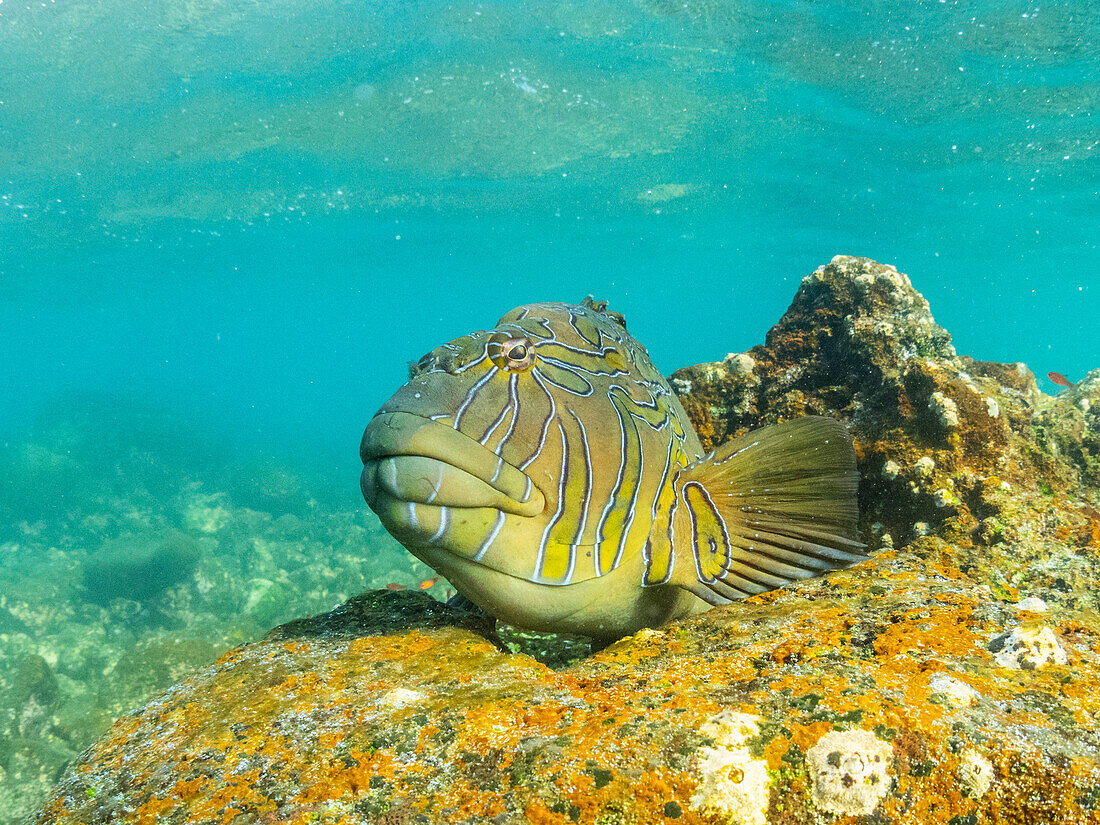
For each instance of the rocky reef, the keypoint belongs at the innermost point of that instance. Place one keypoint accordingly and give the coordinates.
(951, 678)
(135, 548)
(944, 441)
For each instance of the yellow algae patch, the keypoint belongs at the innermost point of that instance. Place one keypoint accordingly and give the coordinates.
(822, 631)
(289, 647)
(395, 647)
(936, 629)
(538, 813)
(297, 683)
(801, 736)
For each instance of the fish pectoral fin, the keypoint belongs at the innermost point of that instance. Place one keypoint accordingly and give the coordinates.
(768, 508)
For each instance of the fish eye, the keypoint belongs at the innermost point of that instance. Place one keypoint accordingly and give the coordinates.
(511, 353)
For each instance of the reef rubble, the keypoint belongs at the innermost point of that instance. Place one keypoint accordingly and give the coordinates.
(951, 678)
(137, 546)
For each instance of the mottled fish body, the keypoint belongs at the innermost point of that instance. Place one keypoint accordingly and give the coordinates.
(548, 471)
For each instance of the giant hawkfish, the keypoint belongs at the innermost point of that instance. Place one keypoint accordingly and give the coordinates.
(549, 472)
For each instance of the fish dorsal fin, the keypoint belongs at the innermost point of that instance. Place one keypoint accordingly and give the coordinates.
(768, 508)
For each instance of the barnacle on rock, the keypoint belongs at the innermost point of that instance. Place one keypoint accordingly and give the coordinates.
(850, 771)
(1029, 648)
(925, 466)
(975, 773)
(945, 409)
(959, 693)
(731, 781)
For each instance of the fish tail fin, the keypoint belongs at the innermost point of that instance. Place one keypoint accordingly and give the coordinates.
(768, 508)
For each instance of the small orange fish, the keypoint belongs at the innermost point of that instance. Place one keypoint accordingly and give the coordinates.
(396, 586)
(1060, 379)
(424, 585)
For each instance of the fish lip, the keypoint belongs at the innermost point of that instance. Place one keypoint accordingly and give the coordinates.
(397, 433)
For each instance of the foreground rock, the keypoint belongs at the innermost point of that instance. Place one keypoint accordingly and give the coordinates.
(950, 678)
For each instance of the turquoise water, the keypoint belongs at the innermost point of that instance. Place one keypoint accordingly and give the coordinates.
(256, 214)
(225, 228)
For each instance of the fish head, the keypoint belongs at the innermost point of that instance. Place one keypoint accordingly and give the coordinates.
(511, 460)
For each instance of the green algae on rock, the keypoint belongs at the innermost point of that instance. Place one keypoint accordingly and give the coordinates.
(951, 678)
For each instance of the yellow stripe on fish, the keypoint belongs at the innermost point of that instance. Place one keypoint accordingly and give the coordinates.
(546, 468)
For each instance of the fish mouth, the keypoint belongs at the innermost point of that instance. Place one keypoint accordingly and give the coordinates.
(410, 458)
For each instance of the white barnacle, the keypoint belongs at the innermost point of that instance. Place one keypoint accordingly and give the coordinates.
(1029, 648)
(946, 410)
(850, 771)
(400, 697)
(975, 773)
(731, 782)
(957, 692)
(925, 466)
(1032, 603)
(739, 363)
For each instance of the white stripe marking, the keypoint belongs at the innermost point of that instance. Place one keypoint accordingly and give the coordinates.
(470, 395)
(491, 538)
(515, 412)
(442, 526)
(546, 424)
(614, 489)
(587, 482)
(436, 486)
